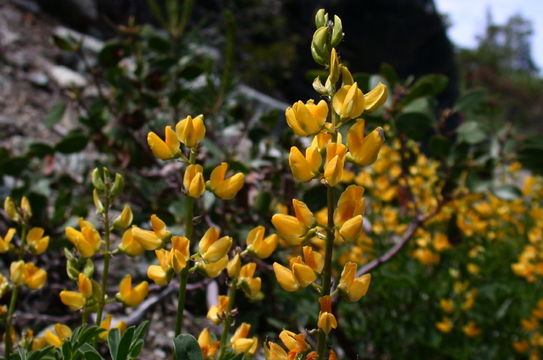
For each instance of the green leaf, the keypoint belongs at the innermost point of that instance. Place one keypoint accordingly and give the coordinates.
(54, 115)
(428, 85)
(390, 74)
(471, 132)
(186, 348)
(141, 330)
(113, 340)
(506, 192)
(470, 100)
(111, 54)
(40, 150)
(14, 166)
(72, 143)
(63, 43)
(415, 125)
(439, 146)
(90, 353)
(530, 154)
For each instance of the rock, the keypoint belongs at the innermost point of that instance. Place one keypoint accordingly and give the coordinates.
(38, 78)
(65, 77)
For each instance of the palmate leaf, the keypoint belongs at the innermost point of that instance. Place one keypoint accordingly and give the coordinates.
(186, 348)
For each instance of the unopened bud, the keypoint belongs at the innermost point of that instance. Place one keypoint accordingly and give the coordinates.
(11, 210)
(320, 48)
(118, 185)
(124, 219)
(346, 77)
(97, 202)
(25, 208)
(97, 180)
(321, 18)
(319, 87)
(337, 31)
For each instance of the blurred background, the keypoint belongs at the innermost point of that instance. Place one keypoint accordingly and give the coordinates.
(83, 81)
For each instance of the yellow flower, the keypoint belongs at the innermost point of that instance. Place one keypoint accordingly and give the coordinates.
(349, 101)
(363, 150)
(304, 168)
(285, 277)
(132, 296)
(441, 242)
(208, 346)
(350, 204)
(446, 305)
(4, 285)
(240, 341)
(327, 320)
(11, 209)
(234, 267)
(191, 131)
(37, 242)
(217, 312)
(375, 98)
(445, 325)
(62, 332)
(85, 285)
(251, 285)
(293, 342)
(225, 189)
(161, 273)
(294, 228)
(87, 241)
(32, 276)
(260, 246)
(214, 269)
(313, 259)
(73, 299)
(335, 160)
(5, 242)
(164, 150)
(353, 288)
(129, 245)
(471, 329)
(193, 181)
(16, 270)
(352, 228)
(274, 351)
(148, 239)
(180, 253)
(521, 346)
(25, 207)
(124, 219)
(106, 325)
(307, 119)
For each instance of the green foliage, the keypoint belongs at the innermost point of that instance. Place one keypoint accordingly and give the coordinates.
(186, 347)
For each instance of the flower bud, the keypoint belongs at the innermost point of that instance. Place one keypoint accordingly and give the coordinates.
(234, 266)
(337, 31)
(307, 119)
(25, 208)
(16, 270)
(193, 181)
(191, 131)
(84, 285)
(321, 18)
(97, 202)
(97, 180)
(11, 209)
(320, 46)
(180, 253)
(117, 186)
(346, 77)
(351, 228)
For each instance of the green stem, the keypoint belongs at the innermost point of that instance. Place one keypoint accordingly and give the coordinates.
(107, 255)
(326, 280)
(9, 320)
(14, 294)
(228, 320)
(183, 276)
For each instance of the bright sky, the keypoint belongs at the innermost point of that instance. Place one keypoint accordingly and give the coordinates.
(468, 19)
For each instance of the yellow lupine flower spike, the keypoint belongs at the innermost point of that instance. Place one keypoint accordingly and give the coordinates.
(349, 101)
(353, 288)
(37, 242)
(193, 181)
(307, 119)
(5, 242)
(190, 131)
(305, 168)
(225, 189)
(132, 296)
(164, 149)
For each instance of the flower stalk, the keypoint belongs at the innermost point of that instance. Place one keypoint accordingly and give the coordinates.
(106, 253)
(227, 320)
